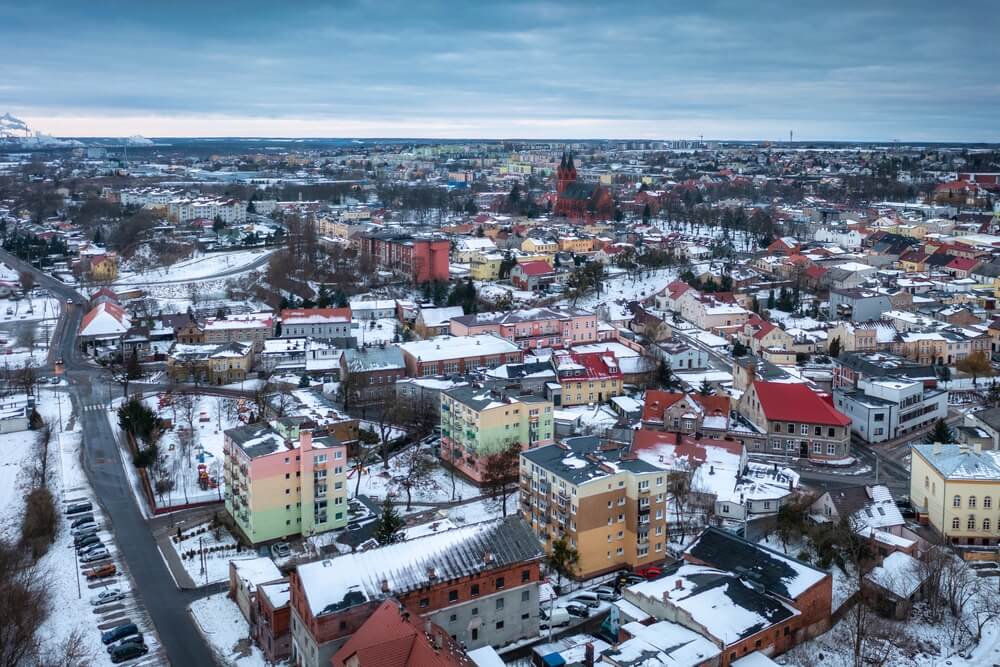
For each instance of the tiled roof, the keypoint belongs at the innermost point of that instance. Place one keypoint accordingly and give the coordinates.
(796, 402)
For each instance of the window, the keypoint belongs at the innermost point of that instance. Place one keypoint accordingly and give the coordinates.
(831, 449)
(452, 596)
(475, 611)
(971, 523)
(499, 604)
(880, 417)
(791, 428)
(987, 502)
(525, 616)
(955, 523)
(927, 482)
(320, 458)
(986, 524)
(817, 448)
(453, 618)
(525, 575)
(499, 583)
(425, 602)
(956, 501)
(475, 634)
(972, 502)
(803, 429)
(525, 596)
(475, 590)
(499, 625)
(829, 433)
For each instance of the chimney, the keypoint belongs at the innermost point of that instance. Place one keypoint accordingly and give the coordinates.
(385, 585)
(305, 439)
(428, 628)
(588, 658)
(679, 585)
(677, 437)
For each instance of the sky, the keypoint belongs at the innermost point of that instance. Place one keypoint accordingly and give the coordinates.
(752, 69)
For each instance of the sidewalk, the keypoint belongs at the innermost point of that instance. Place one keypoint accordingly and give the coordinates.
(164, 527)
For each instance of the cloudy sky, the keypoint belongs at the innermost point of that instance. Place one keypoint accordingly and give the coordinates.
(908, 70)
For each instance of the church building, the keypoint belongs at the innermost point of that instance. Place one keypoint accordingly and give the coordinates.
(577, 200)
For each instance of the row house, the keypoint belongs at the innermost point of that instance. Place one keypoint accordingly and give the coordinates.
(478, 422)
(607, 503)
(333, 324)
(253, 328)
(532, 328)
(480, 583)
(458, 355)
(799, 422)
(277, 487)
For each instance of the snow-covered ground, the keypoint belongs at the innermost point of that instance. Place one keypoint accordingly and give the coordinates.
(480, 510)
(27, 310)
(222, 623)
(212, 416)
(219, 549)
(377, 482)
(373, 332)
(198, 267)
(623, 287)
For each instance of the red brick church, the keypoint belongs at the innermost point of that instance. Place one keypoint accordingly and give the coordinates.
(577, 200)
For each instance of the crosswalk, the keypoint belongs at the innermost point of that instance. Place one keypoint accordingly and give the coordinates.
(95, 407)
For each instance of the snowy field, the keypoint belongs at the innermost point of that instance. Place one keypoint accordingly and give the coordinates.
(198, 267)
(226, 630)
(377, 482)
(373, 332)
(480, 510)
(28, 310)
(209, 416)
(622, 286)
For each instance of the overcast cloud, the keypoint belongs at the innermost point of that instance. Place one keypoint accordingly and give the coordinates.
(744, 70)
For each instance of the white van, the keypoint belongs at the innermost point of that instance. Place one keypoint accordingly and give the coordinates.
(559, 618)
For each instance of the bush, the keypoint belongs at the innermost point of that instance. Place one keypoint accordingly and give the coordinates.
(145, 457)
(38, 529)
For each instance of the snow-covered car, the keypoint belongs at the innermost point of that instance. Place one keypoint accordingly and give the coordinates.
(606, 593)
(104, 597)
(95, 555)
(281, 550)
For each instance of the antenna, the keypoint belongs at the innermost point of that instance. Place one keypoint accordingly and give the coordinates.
(791, 136)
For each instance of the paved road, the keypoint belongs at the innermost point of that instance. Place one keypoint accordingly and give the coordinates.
(102, 462)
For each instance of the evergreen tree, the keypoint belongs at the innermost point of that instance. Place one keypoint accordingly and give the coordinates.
(941, 432)
(835, 347)
(739, 349)
(563, 559)
(705, 389)
(770, 299)
(304, 382)
(323, 300)
(388, 524)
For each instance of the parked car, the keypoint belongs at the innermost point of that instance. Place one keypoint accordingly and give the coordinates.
(87, 549)
(86, 541)
(650, 572)
(558, 618)
(81, 521)
(629, 579)
(133, 639)
(606, 593)
(353, 525)
(281, 550)
(101, 571)
(577, 610)
(96, 554)
(79, 508)
(119, 632)
(128, 652)
(84, 530)
(589, 599)
(104, 597)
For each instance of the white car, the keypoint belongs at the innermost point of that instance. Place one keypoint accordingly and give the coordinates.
(104, 597)
(99, 553)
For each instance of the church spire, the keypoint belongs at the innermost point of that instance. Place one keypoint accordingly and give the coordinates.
(569, 163)
(562, 163)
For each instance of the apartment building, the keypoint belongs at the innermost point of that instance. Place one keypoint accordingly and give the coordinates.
(230, 211)
(609, 504)
(799, 422)
(588, 377)
(278, 487)
(254, 328)
(454, 355)
(532, 328)
(478, 582)
(210, 363)
(884, 408)
(422, 259)
(371, 373)
(956, 489)
(332, 324)
(476, 422)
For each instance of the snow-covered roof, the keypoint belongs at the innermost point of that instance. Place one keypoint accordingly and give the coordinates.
(662, 643)
(899, 574)
(440, 348)
(960, 461)
(395, 569)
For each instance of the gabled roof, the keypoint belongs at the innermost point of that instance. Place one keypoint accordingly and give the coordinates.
(392, 636)
(105, 319)
(315, 315)
(535, 268)
(795, 402)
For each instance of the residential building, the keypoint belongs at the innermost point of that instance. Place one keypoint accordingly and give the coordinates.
(230, 211)
(210, 363)
(871, 512)
(421, 258)
(587, 377)
(851, 367)
(457, 355)
(272, 630)
(539, 245)
(798, 421)
(372, 309)
(370, 373)
(333, 324)
(739, 595)
(608, 504)
(884, 408)
(477, 582)
(253, 328)
(988, 421)
(532, 328)
(277, 487)
(867, 336)
(680, 355)
(955, 488)
(686, 413)
(477, 422)
(532, 275)
(858, 304)
(432, 322)
(393, 636)
(15, 412)
(485, 266)
(467, 247)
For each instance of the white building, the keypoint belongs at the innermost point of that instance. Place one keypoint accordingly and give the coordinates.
(883, 408)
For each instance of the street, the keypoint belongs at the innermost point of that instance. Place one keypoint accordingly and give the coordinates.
(102, 462)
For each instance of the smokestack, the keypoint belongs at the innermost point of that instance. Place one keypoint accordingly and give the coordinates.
(588, 658)
(305, 439)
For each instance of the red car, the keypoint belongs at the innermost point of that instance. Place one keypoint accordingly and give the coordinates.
(650, 572)
(108, 570)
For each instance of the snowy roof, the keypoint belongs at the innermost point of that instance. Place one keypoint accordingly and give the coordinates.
(433, 317)
(440, 348)
(256, 571)
(395, 569)
(960, 461)
(727, 607)
(899, 574)
(662, 643)
(105, 319)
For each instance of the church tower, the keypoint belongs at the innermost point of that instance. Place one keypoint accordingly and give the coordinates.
(566, 173)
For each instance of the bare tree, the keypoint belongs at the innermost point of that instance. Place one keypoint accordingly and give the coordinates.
(362, 460)
(25, 603)
(416, 466)
(71, 651)
(500, 474)
(27, 335)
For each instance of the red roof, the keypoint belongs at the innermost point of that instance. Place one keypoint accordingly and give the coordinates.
(535, 268)
(657, 401)
(795, 402)
(962, 264)
(394, 637)
(684, 446)
(815, 272)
